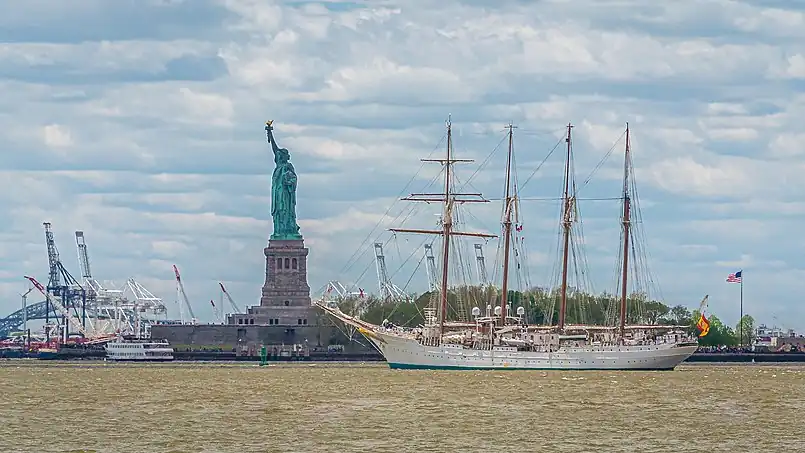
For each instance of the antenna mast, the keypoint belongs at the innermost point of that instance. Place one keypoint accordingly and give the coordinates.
(507, 230)
(567, 221)
(448, 199)
(626, 224)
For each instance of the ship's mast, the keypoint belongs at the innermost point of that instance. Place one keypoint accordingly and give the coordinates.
(566, 224)
(447, 226)
(448, 199)
(507, 230)
(626, 232)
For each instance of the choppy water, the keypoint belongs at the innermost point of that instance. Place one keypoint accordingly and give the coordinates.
(71, 407)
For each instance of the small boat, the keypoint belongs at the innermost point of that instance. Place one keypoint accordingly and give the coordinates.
(139, 350)
(47, 353)
(11, 352)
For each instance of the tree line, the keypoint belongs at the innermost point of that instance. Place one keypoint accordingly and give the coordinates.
(541, 307)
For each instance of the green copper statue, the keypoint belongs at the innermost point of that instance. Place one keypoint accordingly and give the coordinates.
(283, 192)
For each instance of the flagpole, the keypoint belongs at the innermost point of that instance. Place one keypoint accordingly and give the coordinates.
(741, 319)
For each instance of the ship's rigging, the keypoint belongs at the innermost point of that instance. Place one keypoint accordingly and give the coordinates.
(497, 340)
(449, 199)
(571, 294)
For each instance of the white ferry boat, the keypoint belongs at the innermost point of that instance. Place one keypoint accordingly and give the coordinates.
(139, 350)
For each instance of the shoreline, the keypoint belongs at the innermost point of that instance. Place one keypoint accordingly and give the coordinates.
(746, 357)
(315, 356)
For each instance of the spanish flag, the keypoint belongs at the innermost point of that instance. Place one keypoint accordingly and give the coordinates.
(703, 325)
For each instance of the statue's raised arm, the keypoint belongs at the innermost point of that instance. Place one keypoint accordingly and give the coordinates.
(270, 137)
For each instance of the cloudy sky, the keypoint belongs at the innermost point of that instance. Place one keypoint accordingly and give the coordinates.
(141, 123)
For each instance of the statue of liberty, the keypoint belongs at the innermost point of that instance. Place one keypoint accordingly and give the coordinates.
(283, 192)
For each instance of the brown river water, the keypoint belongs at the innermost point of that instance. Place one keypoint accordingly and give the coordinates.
(214, 407)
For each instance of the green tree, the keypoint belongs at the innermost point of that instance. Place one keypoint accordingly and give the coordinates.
(655, 312)
(746, 330)
(541, 306)
(401, 314)
(680, 316)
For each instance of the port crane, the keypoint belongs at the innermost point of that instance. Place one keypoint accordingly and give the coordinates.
(217, 312)
(430, 269)
(226, 294)
(25, 309)
(61, 284)
(127, 310)
(92, 285)
(338, 294)
(388, 290)
(90, 337)
(341, 291)
(181, 293)
(480, 264)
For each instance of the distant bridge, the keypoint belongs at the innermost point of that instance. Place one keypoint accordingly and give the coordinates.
(13, 322)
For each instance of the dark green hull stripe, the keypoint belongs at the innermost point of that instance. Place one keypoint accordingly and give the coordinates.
(410, 366)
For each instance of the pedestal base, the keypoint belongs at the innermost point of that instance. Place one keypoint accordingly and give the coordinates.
(285, 297)
(286, 275)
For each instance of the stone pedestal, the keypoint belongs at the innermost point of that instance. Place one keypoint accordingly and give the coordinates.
(285, 300)
(286, 275)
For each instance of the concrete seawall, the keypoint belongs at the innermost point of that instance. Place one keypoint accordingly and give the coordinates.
(747, 357)
(247, 339)
(212, 353)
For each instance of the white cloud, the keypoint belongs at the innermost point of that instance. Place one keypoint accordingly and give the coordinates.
(796, 67)
(151, 140)
(788, 145)
(761, 206)
(735, 134)
(792, 67)
(772, 20)
(728, 108)
(687, 176)
(56, 136)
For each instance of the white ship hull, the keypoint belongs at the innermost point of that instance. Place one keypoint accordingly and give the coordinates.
(404, 353)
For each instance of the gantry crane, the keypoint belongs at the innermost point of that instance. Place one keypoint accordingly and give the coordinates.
(61, 284)
(480, 263)
(388, 290)
(430, 269)
(90, 337)
(129, 310)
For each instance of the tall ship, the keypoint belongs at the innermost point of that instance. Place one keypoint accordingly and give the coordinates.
(139, 350)
(500, 338)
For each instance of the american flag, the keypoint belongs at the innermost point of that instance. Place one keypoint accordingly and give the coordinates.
(734, 278)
